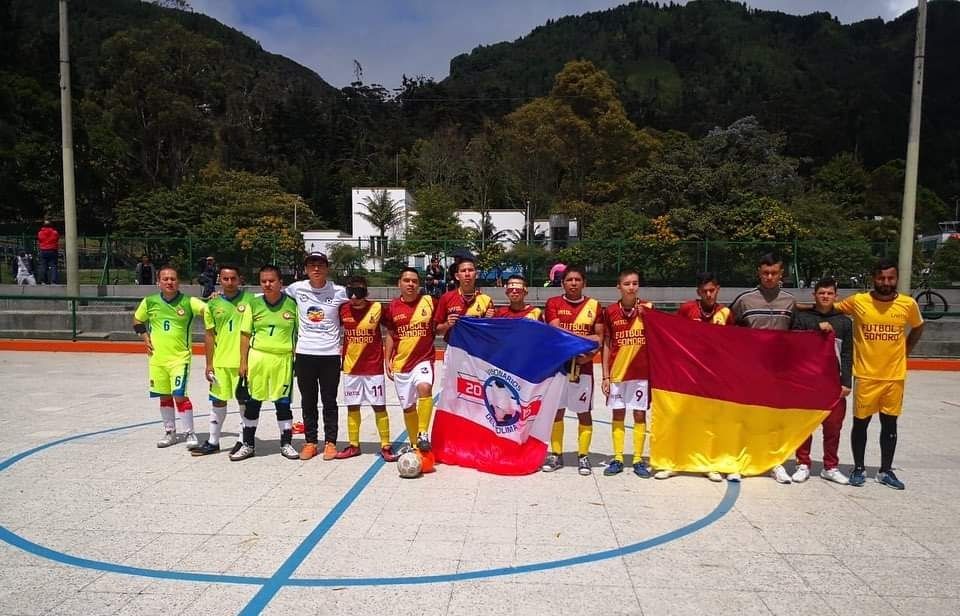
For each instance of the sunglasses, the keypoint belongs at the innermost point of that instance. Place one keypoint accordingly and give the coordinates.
(358, 292)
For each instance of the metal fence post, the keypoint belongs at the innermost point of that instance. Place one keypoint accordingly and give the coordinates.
(73, 318)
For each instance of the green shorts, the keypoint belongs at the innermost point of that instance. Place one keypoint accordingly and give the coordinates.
(270, 376)
(169, 379)
(224, 386)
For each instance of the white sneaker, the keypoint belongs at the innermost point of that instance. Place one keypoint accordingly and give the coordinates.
(834, 475)
(169, 438)
(192, 441)
(287, 451)
(714, 476)
(733, 477)
(780, 474)
(664, 474)
(801, 474)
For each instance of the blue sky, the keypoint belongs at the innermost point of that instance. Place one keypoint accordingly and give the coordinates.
(390, 38)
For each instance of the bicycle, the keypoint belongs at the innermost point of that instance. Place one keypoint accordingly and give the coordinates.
(932, 304)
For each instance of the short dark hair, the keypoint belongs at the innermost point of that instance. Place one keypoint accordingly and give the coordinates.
(629, 271)
(770, 258)
(575, 269)
(356, 281)
(466, 259)
(825, 283)
(167, 266)
(229, 266)
(269, 268)
(516, 277)
(408, 269)
(885, 264)
(706, 278)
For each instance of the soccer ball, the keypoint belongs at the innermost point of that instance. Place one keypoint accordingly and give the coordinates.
(409, 464)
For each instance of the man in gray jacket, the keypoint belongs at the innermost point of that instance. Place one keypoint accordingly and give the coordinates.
(824, 318)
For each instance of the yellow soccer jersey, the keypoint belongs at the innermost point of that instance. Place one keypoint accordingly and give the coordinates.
(880, 334)
(272, 327)
(169, 324)
(223, 317)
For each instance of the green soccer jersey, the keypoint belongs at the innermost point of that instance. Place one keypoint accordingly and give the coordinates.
(273, 328)
(169, 324)
(223, 316)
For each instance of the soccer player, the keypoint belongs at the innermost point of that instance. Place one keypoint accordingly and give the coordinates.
(626, 370)
(410, 354)
(268, 334)
(581, 315)
(766, 307)
(466, 300)
(221, 321)
(706, 309)
(881, 345)
(516, 292)
(163, 321)
(363, 367)
(825, 318)
(318, 352)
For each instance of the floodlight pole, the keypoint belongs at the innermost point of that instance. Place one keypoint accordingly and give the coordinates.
(69, 190)
(908, 215)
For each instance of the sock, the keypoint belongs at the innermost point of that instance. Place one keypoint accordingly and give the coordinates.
(639, 433)
(217, 418)
(424, 411)
(584, 436)
(383, 427)
(285, 425)
(619, 432)
(248, 435)
(556, 437)
(858, 440)
(286, 436)
(168, 415)
(353, 427)
(185, 413)
(412, 422)
(888, 441)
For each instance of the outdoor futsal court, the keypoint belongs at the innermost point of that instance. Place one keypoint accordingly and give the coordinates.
(94, 519)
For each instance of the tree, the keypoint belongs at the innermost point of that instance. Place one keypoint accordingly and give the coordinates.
(383, 213)
(434, 226)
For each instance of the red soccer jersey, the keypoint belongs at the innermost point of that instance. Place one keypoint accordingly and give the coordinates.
(528, 311)
(577, 317)
(628, 344)
(453, 302)
(720, 315)
(362, 341)
(411, 327)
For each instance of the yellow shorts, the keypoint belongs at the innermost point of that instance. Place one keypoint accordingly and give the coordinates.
(270, 376)
(871, 396)
(169, 379)
(224, 386)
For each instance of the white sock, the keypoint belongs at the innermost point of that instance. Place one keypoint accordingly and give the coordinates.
(186, 420)
(216, 424)
(168, 415)
(285, 424)
(249, 423)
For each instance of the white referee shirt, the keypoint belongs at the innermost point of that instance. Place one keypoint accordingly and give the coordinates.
(318, 311)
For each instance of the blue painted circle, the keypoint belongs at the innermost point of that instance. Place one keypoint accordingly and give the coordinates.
(722, 508)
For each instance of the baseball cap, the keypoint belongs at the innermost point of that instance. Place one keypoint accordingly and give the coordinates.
(317, 256)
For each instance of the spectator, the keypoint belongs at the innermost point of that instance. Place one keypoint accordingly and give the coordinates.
(556, 274)
(23, 268)
(48, 242)
(145, 273)
(434, 278)
(208, 277)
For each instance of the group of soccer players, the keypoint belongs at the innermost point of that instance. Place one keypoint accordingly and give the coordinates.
(255, 345)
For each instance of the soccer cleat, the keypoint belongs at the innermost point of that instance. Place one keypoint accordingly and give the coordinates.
(887, 478)
(552, 462)
(858, 477)
(350, 451)
(205, 449)
(614, 467)
(733, 477)
(801, 474)
(386, 452)
(641, 470)
(663, 474)
(245, 451)
(780, 474)
(289, 452)
(583, 466)
(298, 427)
(169, 438)
(309, 450)
(192, 441)
(714, 476)
(834, 475)
(329, 451)
(423, 441)
(236, 447)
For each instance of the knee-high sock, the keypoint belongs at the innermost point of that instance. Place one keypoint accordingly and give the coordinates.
(168, 415)
(556, 437)
(217, 417)
(888, 441)
(858, 440)
(412, 422)
(185, 414)
(353, 427)
(383, 427)
(619, 432)
(424, 411)
(584, 436)
(639, 433)
(250, 419)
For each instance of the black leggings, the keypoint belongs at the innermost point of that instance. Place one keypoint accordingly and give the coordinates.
(318, 374)
(888, 440)
(251, 411)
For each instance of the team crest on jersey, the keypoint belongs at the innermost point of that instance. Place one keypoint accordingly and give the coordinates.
(181, 312)
(241, 308)
(499, 393)
(287, 316)
(315, 314)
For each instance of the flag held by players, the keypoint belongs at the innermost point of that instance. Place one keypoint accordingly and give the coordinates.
(501, 387)
(731, 399)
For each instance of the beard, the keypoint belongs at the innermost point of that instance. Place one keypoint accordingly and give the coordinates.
(884, 289)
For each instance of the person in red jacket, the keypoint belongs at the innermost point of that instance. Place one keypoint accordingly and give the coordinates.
(48, 242)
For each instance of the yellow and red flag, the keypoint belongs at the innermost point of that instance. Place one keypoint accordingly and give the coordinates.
(732, 399)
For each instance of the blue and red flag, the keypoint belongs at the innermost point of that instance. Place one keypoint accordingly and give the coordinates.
(502, 383)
